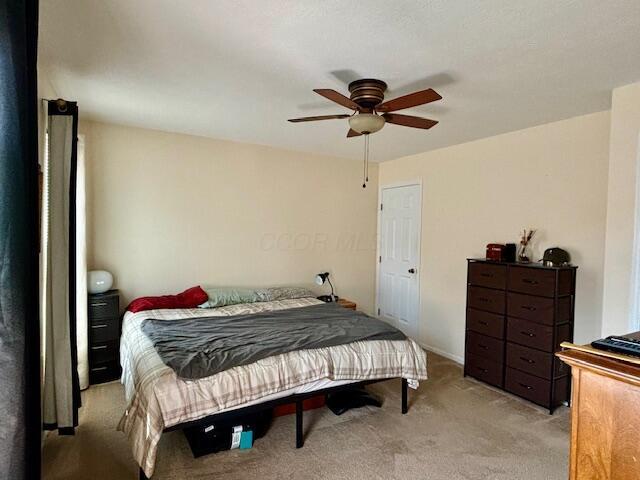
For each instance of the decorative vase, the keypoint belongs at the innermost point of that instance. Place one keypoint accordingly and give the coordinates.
(523, 256)
(99, 281)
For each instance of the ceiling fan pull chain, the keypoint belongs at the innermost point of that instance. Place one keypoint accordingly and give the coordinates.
(367, 165)
(364, 165)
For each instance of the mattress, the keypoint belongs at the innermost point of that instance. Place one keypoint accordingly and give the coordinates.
(157, 398)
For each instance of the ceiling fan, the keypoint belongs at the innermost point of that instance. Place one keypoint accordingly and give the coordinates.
(371, 112)
(367, 102)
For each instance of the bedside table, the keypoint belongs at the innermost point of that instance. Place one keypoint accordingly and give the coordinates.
(104, 337)
(343, 302)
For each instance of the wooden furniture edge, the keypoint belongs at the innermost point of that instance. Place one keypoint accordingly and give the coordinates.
(616, 369)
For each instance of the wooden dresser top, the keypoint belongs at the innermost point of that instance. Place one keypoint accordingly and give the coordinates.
(625, 371)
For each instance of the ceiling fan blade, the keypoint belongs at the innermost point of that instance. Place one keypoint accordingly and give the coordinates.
(320, 117)
(352, 133)
(411, 100)
(409, 120)
(337, 97)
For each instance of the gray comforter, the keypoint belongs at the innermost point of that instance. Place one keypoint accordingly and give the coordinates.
(199, 347)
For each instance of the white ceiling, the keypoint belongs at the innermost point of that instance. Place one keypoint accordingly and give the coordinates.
(237, 69)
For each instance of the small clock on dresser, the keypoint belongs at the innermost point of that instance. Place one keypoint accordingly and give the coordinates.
(104, 337)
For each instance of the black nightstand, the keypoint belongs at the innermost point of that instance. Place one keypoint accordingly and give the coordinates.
(104, 337)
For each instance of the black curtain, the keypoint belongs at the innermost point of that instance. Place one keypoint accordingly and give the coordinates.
(20, 424)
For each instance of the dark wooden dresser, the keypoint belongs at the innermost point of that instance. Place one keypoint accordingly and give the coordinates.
(517, 316)
(104, 337)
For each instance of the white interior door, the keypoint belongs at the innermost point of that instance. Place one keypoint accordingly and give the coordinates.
(398, 288)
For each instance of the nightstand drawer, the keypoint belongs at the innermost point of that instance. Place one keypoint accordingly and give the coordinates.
(104, 330)
(104, 372)
(101, 352)
(103, 307)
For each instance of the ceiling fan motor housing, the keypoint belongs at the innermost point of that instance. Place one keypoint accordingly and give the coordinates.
(367, 92)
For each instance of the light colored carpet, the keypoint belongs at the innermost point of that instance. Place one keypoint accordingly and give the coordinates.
(456, 428)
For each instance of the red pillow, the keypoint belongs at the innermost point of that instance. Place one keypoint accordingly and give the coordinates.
(190, 298)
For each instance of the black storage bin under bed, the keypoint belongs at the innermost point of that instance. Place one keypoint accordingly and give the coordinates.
(216, 436)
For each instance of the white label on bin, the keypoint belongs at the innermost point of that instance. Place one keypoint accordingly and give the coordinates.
(235, 438)
(208, 429)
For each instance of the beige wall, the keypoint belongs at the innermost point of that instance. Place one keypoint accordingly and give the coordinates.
(552, 178)
(168, 211)
(621, 207)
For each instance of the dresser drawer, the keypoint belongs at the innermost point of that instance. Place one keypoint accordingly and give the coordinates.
(487, 275)
(103, 307)
(484, 369)
(535, 309)
(486, 299)
(535, 335)
(104, 372)
(529, 360)
(491, 324)
(100, 352)
(528, 386)
(104, 330)
(530, 334)
(531, 280)
(486, 347)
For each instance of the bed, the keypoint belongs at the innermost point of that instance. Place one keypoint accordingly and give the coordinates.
(159, 400)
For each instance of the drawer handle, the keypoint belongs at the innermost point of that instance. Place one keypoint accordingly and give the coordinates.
(102, 325)
(528, 334)
(525, 359)
(488, 275)
(529, 281)
(99, 347)
(98, 369)
(483, 323)
(483, 370)
(528, 387)
(100, 304)
(528, 307)
(483, 299)
(484, 347)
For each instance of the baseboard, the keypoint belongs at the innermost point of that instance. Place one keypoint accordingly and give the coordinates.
(442, 353)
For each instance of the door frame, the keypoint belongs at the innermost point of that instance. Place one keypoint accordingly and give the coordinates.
(381, 187)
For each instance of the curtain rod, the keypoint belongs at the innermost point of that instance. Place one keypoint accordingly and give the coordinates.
(61, 106)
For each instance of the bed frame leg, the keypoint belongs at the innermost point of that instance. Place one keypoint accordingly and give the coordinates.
(299, 432)
(142, 475)
(405, 407)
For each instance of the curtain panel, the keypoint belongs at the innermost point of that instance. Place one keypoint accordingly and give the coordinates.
(61, 383)
(82, 312)
(20, 428)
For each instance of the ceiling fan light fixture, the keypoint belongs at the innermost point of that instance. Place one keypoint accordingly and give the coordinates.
(366, 123)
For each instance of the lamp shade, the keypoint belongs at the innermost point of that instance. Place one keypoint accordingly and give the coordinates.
(366, 123)
(321, 278)
(99, 281)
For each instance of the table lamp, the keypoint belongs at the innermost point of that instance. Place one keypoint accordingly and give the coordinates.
(321, 278)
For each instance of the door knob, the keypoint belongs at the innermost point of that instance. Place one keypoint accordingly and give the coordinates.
(412, 270)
